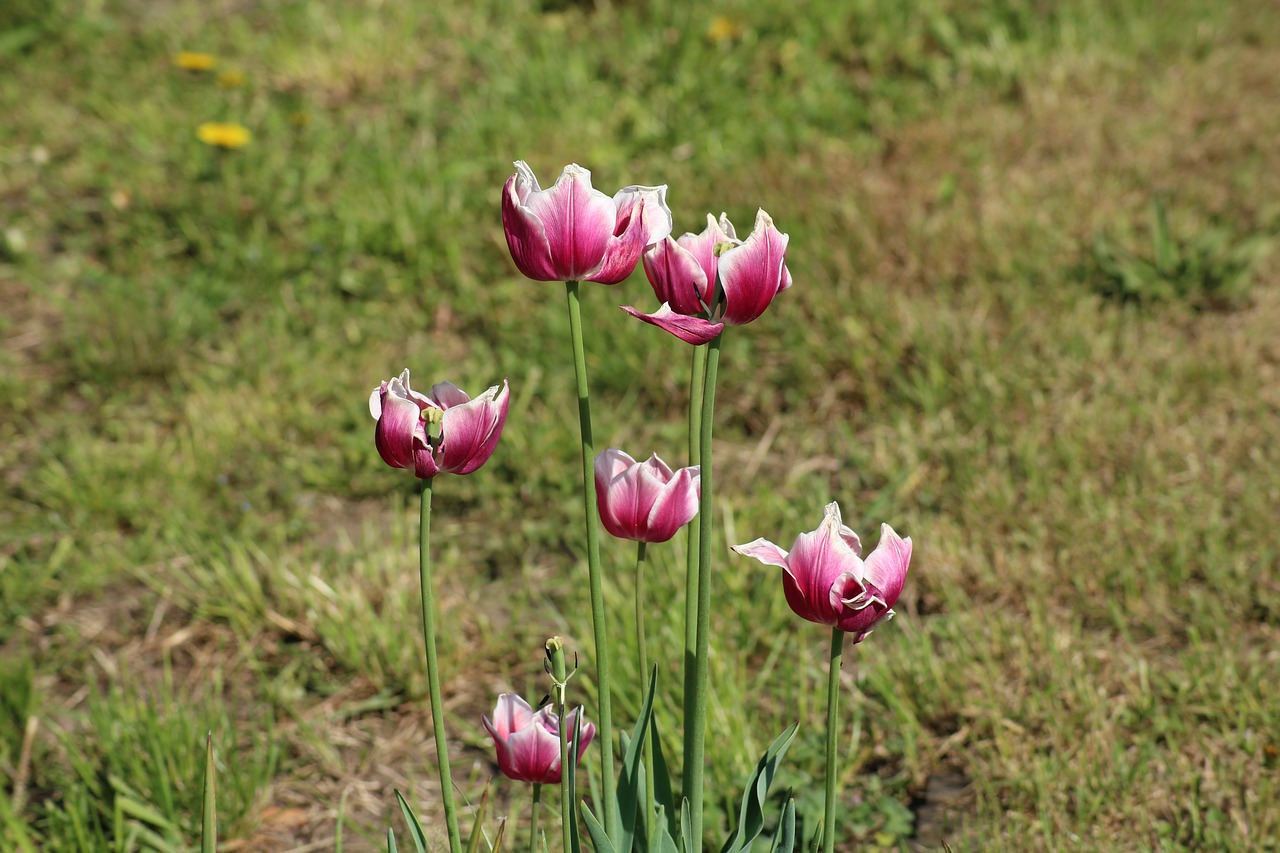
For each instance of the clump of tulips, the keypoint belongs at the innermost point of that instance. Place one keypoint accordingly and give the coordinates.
(705, 282)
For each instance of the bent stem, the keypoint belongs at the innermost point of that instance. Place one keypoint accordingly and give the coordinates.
(697, 381)
(833, 702)
(533, 818)
(644, 674)
(433, 669)
(697, 742)
(599, 627)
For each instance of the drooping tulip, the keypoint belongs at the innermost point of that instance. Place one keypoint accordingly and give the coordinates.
(572, 232)
(708, 280)
(528, 741)
(444, 430)
(826, 580)
(644, 501)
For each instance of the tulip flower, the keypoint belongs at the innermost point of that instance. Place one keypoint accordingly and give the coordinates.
(444, 430)
(708, 280)
(644, 501)
(826, 580)
(528, 741)
(572, 232)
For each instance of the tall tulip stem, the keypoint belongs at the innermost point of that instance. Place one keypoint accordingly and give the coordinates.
(555, 649)
(433, 668)
(697, 381)
(599, 625)
(644, 679)
(833, 703)
(693, 766)
(533, 818)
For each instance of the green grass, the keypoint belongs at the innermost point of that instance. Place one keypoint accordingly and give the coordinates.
(196, 532)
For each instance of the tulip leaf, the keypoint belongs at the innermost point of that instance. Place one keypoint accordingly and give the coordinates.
(477, 825)
(599, 837)
(664, 843)
(686, 828)
(415, 828)
(662, 791)
(751, 815)
(391, 841)
(784, 841)
(632, 781)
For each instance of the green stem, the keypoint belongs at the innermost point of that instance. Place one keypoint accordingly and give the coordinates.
(599, 626)
(556, 649)
(694, 758)
(433, 669)
(697, 381)
(833, 702)
(644, 679)
(533, 818)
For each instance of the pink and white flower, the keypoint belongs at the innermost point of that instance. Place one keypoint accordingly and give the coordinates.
(572, 232)
(644, 501)
(528, 741)
(826, 580)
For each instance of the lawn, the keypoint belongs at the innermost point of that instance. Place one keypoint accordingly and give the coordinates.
(1033, 326)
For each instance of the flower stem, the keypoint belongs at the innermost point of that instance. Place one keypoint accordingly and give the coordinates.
(833, 702)
(599, 626)
(648, 811)
(433, 668)
(555, 648)
(533, 818)
(697, 380)
(693, 766)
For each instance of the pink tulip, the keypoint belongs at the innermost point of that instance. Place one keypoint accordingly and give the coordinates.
(827, 581)
(528, 741)
(644, 501)
(711, 279)
(572, 232)
(442, 431)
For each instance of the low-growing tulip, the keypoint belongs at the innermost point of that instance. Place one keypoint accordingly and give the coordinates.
(644, 501)
(572, 232)
(444, 430)
(708, 280)
(826, 580)
(528, 741)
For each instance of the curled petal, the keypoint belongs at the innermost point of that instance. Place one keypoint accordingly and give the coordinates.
(753, 273)
(470, 431)
(675, 505)
(642, 218)
(691, 330)
(887, 565)
(526, 235)
(399, 432)
(678, 277)
(764, 551)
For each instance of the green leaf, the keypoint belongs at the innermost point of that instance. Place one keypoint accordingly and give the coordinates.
(415, 828)
(631, 782)
(599, 837)
(785, 839)
(662, 791)
(665, 842)
(477, 825)
(209, 819)
(575, 843)
(751, 815)
(391, 841)
(686, 828)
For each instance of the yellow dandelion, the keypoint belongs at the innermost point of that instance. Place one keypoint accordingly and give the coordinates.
(723, 29)
(223, 135)
(192, 61)
(231, 79)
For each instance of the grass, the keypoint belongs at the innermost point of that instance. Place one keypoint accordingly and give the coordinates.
(196, 533)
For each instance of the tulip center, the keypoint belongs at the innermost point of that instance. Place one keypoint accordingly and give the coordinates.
(434, 418)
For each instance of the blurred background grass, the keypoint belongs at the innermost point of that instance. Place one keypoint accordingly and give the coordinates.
(1033, 327)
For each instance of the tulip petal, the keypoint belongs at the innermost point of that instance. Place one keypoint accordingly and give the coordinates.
(398, 423)
(887, 565)
(691, 330)
(578, 222)
(526, 235)
(510, 714)
(645, 207)
(535, 755)
(764, 551)
(675, 505)
(818, 559)
(678, 276)
(470, 432)
(448, 395)
(753, 273)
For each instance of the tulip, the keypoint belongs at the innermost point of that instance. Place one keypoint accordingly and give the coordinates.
(644, 501)
(708, 280)
(572, 232)
(528, 741)
(826, 580)
(444, 430)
